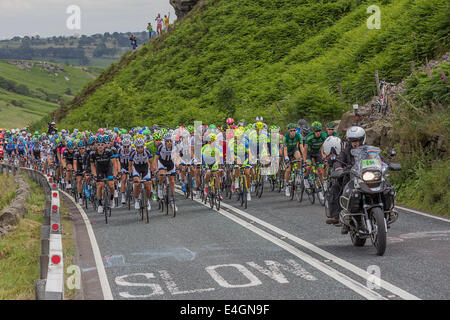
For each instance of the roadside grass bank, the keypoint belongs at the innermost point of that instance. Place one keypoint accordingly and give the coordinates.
(7, 190)
(21, 247)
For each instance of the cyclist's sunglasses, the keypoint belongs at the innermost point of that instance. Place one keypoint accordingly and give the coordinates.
(292, 130)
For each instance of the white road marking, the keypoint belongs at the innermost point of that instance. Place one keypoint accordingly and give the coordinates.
(107, 294)
(423, 214)
(156, 288)
(253, 280)
(347, 265)
(333, 273)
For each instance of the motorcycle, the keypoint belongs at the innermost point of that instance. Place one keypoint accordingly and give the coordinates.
(368, 200)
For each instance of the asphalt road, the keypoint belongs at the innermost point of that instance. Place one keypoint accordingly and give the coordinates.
(275, 249)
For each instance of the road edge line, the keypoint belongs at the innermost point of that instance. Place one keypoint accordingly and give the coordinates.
(423, 213)
(106, 289)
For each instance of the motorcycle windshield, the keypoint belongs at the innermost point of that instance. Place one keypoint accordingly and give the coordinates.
(367, 158)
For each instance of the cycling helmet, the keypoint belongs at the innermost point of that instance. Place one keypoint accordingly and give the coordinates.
(331, 125)
(81, 144)
(106, 139)
(164, 131)
(126, 142)
(70, 145)
(167, 137)
(212, 126)
(100, 139)
(301, 123)
(190, 129)
(305, 130)
(242, 123)
(316, 126)
(212, 137)
(139, 143)
(91, 141)
(259, 125)
(157, 136)
(332, 145)
(230, 121)
(291, 126)
(356, 134)
(259, 119)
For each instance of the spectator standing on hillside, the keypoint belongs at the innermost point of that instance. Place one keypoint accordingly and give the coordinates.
(159, 22)
(166, 22)
(150, 30)
(133, 42)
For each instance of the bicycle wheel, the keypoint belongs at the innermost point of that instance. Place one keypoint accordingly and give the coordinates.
(145, 204)
(299, 187)
(105, 202)
(218, 201)
(173, 207)
(318, 188)
(310, 192)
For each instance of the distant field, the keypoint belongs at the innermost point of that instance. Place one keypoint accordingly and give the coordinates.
(13, 117)
(52, 82)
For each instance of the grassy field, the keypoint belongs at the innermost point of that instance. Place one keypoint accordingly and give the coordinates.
(16, 117)
(20, 250)
(37, 79)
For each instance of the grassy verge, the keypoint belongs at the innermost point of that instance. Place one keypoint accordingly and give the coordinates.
(7, 190)
(422, 129)
(20, 249)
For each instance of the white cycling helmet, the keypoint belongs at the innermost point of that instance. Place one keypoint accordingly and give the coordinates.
(356, 133)
(332, 144)
(139, 143)
(126, 142)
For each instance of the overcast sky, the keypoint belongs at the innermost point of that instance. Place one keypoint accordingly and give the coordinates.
(48, 17)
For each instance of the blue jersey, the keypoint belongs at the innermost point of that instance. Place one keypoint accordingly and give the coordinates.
(21, 147)
(10, 147)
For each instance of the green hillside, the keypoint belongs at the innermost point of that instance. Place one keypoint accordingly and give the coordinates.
(30, 90)
(247, 58)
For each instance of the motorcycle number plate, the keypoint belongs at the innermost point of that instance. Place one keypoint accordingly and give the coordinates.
(369, 162)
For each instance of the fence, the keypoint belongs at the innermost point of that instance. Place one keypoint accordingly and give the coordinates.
(50, 286)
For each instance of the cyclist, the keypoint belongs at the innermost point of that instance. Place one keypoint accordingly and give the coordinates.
(331, 129)
(141, 166)
(166, 166)
(102, 168)
(22, 149)
(291, 150)
(239, 151)
(80, 165)
(36, 153)
(124, 153)
(312, 150)
(67, 162)
(10, 149)
(210, 159)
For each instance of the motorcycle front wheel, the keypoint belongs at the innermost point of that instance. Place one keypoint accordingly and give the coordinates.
(379, 235)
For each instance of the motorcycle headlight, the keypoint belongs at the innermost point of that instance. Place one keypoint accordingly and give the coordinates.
(370, 176)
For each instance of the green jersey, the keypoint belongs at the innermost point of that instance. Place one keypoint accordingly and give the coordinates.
(314, 144)
(291, 143)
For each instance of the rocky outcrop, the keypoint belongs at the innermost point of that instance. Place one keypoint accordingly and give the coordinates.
(10, 216)
(182, 7)
(378, 125)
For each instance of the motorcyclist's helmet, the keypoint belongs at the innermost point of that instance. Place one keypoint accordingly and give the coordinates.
(332, 145)
(356, 133)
